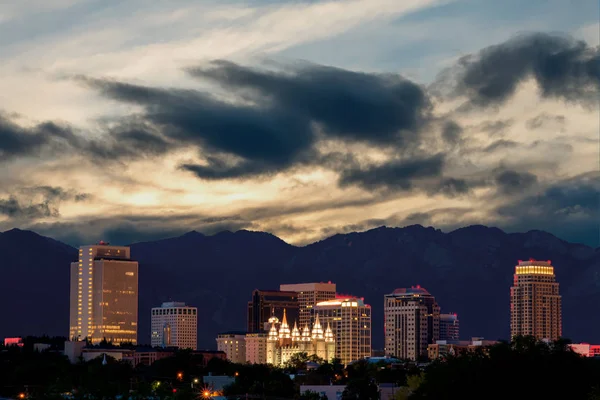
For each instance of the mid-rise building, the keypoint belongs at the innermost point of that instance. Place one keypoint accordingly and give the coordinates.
(174, 325)
(444, 348)
(535, 303)
(449, 327)
(309, 294)
(350, 321)
(104, 295)
(256, 348)
(412, 321)
(283, 343)
(233, 344)
(266, 304)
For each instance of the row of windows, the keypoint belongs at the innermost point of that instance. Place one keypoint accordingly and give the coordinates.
(173, 311)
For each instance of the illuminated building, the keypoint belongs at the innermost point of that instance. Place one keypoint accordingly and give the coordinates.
(309, 294)
(104, 295)
(412, 321)
(175, 325)
(586, 349)
(266, 304)
(256, 348)
(535, 305)
(233, 344)
(350, 321)
(14, 341)
(283, 343)
(449, 327)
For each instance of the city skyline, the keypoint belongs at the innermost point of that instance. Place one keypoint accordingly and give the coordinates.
(301, 118)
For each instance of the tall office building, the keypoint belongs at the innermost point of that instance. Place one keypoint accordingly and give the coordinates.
(256, 348)
(449, 327)
(266, 304)
(175, 325)
(309, 294)
(104, 295)
(350, 321)
(535, 305)
(412, 319)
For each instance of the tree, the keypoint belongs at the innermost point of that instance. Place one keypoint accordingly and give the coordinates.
(525, 368)
(311, 395)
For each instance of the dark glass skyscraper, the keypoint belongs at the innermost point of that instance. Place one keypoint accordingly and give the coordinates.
(271, 303)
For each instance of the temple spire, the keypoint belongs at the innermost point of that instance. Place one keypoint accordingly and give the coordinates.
(272, 333)
(317, 330)
(328, 334)
(306, 333)
(295, 333)
(284, 329)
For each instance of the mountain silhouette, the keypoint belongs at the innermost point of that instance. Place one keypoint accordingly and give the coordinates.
(469, 271)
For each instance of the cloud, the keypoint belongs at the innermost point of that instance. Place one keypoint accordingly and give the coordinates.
(545, 120)
(395, 174)
(568, 208)
(562, 67)
(374, 108)
(32, 202)
(500, 144)
(452, 132)
(17, 141)
(511, 182)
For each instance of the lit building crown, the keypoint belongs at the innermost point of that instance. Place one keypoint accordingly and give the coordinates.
(295, 333)
(306, 333)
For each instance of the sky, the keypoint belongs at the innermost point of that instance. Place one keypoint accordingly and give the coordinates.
(131, 120)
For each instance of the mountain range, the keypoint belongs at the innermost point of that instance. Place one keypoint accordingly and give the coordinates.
(468, 270)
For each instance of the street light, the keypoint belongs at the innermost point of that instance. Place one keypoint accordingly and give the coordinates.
(196, 380)
(180, 375)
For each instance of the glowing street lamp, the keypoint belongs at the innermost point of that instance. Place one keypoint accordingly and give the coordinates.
(180, 375)
(196, 380)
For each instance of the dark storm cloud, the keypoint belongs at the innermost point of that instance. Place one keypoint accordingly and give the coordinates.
(265, 140)
(511, 182)
(394, 175)
(16, 141)
(562, 67)
(384, 109)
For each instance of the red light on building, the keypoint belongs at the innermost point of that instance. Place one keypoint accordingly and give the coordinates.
(17, 341)
(174, 390)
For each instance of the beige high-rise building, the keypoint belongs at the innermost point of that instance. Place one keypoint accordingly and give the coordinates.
(175, 325)
(535, 305)
(412, 319)
(104, 295)
(350, 321)
(309, 294)
(234, 345)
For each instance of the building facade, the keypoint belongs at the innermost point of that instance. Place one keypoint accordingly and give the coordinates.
(104, 295)
(412, 321)
(233, 344)
(449, 327)
(350, 321)
(174, 325)
(266, 304)
(444, 348)
(535, 302)
(256, 348)
(283, 343)
(309, 294)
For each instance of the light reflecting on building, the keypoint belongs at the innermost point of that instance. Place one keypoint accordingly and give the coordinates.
(104, 295)
(174, 325)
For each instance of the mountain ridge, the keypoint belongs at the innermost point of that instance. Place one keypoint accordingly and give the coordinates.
(469, 270)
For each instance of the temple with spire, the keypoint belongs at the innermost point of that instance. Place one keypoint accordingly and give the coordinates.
(283, 343)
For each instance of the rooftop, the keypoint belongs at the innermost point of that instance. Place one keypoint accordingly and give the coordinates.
(414, 290)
